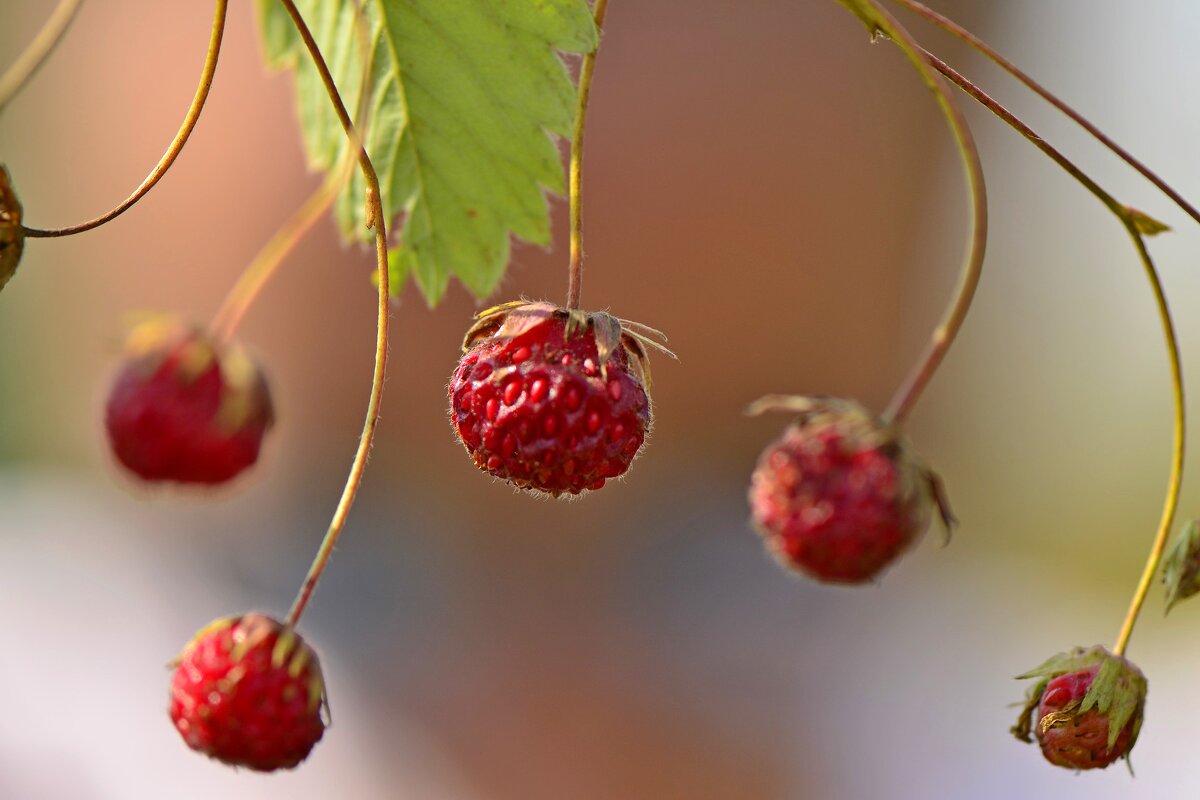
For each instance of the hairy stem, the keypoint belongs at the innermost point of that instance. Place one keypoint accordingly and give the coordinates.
(906, 396)
(575, 280)
(982, 47)
(376, 220)
(18, 75)
(176, 146)
(1129, 219)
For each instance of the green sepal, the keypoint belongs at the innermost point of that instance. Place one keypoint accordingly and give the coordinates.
(1146, 225)
(1118, 690)
(1181, 569)
(1024, 725)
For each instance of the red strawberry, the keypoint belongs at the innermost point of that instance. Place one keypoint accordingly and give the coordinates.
(12, 237)
(248, 691)
(185, 409)
(838, 496)
(552, 400)
(1089, 706)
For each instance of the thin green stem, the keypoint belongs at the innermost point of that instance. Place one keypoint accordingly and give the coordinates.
(880, 21)
(376, 220)
(1177, 445)
(18, 75)
(982, 47)
(176, 146)
(575, 270)
(1130, 220)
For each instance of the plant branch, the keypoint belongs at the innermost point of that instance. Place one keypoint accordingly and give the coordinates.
(982, 47)
(880, 21)
(376, 220)
(575, 281)
(22, 70)
(251, 282)
(264, 266)
(1132, 223)
(176, 146)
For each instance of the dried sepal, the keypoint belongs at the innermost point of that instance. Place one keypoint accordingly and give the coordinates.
(510, 320)
(1181, 569)
(12, 236)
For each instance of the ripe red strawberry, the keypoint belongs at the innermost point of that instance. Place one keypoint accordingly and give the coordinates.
(552, 400)
(1089, 706)
(12, 237)
(185, 409)
(248, 691)
(838, 496)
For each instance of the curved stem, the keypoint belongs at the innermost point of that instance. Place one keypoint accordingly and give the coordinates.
(176, 146)
(1131, 222)
(272, 255)
(1177, 445)
(978, 44)
(575, 281)
(906, 396)
(255, 277)
(17, 76)
(376, 220)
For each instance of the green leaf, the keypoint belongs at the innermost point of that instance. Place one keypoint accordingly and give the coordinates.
(1181, 569)
(466, 97)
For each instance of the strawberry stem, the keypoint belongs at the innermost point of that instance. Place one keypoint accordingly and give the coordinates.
(879, 21)
(251, 282)
(983, 48)
(1177, 444)
(173, 151)
(1133, 223)
(17, 76)
(376, 220)
(255, 277)
(575, 173)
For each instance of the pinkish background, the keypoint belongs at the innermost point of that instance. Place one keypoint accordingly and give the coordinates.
(782, 199)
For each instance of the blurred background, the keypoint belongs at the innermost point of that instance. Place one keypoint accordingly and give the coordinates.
(782, 199)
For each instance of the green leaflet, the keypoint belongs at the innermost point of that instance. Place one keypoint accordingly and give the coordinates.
(466, 97)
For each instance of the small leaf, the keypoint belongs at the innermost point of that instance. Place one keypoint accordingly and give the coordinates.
(1146, 224)
(466, 97)
(1181, 569)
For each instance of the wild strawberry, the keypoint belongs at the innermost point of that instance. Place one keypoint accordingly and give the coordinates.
(12, 237)
(184, 408)
(248, 691)
(839, 495)
(552, 400)
(1089, 706)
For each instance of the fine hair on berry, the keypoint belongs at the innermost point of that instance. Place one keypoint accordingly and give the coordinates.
(550, 400)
